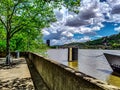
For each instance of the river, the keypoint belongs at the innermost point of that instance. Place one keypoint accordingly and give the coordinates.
(91, 62)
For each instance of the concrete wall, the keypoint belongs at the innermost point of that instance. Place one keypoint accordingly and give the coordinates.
(61, 77)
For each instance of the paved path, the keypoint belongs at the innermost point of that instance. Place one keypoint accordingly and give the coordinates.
(16, 77)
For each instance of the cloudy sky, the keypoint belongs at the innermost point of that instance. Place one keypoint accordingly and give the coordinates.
(97, 18)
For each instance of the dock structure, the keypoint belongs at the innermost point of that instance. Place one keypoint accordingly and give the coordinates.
(114, 61)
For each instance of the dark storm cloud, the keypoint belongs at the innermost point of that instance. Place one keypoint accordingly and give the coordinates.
(86, 15)
(75, 22)
(116, 9)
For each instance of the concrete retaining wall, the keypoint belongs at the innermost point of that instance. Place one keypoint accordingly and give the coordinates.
(61, 77)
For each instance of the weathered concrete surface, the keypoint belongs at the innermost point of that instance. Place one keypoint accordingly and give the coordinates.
(60, 77)
(15, 77)
(36, 77)
(20, 75)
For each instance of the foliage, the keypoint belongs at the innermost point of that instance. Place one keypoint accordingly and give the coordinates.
(2, 45)
(20, 17)
(72, 5)
(25, 15)
(112, 42)
(2, 40)
(25, 41)
(116, 45)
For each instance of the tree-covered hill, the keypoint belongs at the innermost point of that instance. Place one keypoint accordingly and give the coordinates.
(108, 42)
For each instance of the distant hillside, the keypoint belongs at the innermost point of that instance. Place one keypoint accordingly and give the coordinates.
(108, 42)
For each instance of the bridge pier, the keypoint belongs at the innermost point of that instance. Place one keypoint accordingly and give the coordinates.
(72, 54)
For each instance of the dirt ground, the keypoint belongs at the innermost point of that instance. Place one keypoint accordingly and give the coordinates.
(16, 76)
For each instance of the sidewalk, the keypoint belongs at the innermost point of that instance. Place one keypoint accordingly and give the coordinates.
(16, 77)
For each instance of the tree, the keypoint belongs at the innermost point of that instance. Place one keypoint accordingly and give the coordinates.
(2, 40)
(17, 15)
(30, 40)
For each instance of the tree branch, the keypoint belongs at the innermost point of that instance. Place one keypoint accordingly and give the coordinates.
(3, 22)
(15, 31)
(13, 11)
(15, 28)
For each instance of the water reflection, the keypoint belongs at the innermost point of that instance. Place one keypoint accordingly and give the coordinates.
(90, 62)
(114, 80)
(73, 64)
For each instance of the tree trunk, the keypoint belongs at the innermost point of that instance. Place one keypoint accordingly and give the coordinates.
(8, 49)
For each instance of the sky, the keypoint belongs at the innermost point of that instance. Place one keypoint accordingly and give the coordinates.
(96, 19)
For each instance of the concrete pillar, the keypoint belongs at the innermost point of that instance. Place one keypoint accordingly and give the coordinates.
(48, 42)
(72, 54)
(73, 64)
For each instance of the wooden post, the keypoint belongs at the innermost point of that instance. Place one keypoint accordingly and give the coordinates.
(72, 54)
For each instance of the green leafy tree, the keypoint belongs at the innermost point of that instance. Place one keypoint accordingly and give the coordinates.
(17, 15)
(26, 15)
(2, 40)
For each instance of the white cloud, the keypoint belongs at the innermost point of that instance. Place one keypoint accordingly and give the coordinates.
(104, 7)
(115, 24)
(96, 28)
(116, 18)
(61, 13)
(45, 32)
(100, 25)
(68, 34)
(63, 40)
(113, 2)
(87, 22)
(84, 39)
(117, 29)
(84, 29)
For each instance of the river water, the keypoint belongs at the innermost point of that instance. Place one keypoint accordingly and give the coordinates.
(90, 62)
